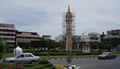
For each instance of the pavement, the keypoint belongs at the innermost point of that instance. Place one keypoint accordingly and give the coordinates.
(91, 63)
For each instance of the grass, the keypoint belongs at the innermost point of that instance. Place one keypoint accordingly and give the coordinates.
(8, 55)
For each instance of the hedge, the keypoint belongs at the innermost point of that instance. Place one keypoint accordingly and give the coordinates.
(44, 61)
(64, 53)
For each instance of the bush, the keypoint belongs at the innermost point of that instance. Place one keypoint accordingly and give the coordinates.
(53, 67)
(1, 55)
(48, 65)
(41, 67)
(44, 61)
(29, 65)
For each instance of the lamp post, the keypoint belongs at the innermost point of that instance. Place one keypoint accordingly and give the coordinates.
(69, 57)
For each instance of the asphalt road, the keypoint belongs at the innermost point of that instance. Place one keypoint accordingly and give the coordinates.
(91, 63)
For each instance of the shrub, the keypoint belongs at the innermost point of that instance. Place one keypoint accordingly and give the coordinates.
(63, 53)
(53, 67)
(1, 55)
(44, 61)
(48, 65)
(41, 67)
(29, 65)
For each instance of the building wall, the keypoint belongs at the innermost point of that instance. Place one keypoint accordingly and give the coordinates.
(12, 37)
(91, 37)
(59, 38)
(114, 32)
(27, 36)
(7, 32)
(46, 36)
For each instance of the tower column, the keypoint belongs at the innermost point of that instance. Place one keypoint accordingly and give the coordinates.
(69, 20)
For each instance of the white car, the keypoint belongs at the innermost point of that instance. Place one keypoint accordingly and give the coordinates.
(23, 58)
(107, 55)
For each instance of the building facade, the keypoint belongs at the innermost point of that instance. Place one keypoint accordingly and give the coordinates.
(14, 38)
(60, 38)
(24, 39)
(7, 33)
(114, 32)
(91, 37)
(23, 36)
(46, 37)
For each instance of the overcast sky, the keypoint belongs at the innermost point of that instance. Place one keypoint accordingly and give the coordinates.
(45, 16)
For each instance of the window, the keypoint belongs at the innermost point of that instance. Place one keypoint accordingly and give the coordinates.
(20, 56)
(28, 55)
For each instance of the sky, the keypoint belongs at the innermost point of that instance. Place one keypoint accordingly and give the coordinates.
(46, 16)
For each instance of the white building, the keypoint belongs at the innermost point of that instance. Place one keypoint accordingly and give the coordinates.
(91, 37)
(59, 38)
(46, 36)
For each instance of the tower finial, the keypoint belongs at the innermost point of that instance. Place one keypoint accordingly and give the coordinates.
(69, 8)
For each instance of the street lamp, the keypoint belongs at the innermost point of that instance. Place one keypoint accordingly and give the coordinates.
(69, 57)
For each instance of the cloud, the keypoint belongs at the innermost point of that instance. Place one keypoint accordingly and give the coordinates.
(45, 16)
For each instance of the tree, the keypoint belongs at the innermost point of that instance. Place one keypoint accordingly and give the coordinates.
(40, 44)
(95, 45)
(109, 43)
(51, 44)
(45, 43)
(2, 45)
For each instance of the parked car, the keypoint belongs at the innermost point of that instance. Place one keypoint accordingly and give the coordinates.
(107, 55)
(23, 58)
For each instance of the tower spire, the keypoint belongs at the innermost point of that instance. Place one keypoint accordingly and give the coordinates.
(69, 11)
(69, 8)
(69, 21)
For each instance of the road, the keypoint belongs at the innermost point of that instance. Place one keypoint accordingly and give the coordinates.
(91, 63)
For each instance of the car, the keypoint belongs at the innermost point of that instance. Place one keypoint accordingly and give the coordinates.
(107, 55)
(72, 67)
(23, 58)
